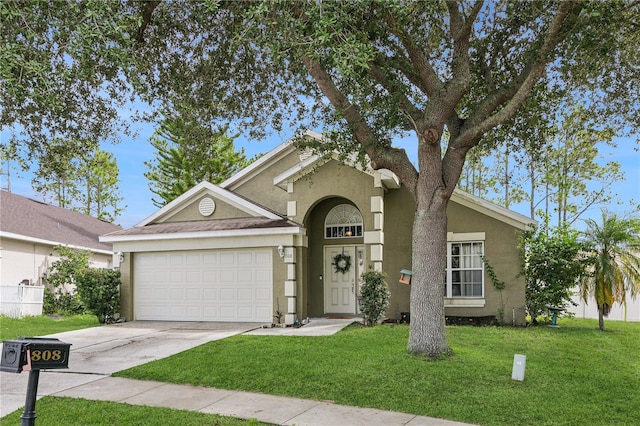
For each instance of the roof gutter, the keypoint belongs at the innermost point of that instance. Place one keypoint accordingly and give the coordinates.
(25, 238)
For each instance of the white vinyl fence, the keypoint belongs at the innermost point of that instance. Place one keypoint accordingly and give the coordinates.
(627, 312)
(21, 300)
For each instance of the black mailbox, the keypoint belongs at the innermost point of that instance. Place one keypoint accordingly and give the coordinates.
(34, 353)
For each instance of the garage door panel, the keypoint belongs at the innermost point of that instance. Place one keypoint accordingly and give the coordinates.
(227, 276)
(204, 286)
(176, 294)
(210, 259)
(228, 259)
(263, 276)
(209, 276)
(227, 294)
(245, 276)
(210, 294)
(193, 294)
(245, 314)
(245, 294)
(263, 259)
(263, 295)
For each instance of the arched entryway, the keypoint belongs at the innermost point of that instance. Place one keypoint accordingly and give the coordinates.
(336, 228)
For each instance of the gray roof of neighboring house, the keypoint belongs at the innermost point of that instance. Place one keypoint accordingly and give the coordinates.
(29, 219)
(205, 225)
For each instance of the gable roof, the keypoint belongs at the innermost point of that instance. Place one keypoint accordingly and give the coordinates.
(204, 188)
(493, 210)
(309, 163)
(205, 229)
(262, 221)
(29, 220)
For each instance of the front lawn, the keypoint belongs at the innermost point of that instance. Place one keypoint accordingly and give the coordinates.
(574, 374)
(52, 411)
(11, 328)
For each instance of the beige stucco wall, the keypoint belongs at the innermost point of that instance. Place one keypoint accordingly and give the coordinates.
(260, 188)
(500, 250)
(191, 212)
(126, 287)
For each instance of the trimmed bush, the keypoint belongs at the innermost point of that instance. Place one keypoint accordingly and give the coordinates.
(375, 297)
(99, 291)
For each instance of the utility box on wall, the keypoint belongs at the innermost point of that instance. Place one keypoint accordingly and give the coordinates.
(34, 353)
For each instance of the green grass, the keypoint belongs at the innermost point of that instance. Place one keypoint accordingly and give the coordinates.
(41, 325)
(574, 374)
(55, 411)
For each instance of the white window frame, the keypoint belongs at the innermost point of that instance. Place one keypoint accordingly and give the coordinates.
(464, 238)
(343, 218)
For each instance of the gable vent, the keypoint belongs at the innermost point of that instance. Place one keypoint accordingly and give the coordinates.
(305, 154)
(207, 206)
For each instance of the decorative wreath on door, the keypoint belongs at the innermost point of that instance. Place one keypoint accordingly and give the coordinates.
(342, 262)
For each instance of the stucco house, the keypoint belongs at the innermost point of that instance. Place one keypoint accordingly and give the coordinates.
(29, 231)
(268, 239)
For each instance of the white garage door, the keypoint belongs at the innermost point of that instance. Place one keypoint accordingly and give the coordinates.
(204, 286)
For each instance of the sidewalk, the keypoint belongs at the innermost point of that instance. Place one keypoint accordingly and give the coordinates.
(265, 408)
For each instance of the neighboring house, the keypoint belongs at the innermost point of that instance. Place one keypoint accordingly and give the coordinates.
(29, 231)
(267, 239)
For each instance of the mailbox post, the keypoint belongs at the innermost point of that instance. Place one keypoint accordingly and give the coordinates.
(33, 354)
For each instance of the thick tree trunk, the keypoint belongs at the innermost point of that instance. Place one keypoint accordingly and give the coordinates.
(427, 334)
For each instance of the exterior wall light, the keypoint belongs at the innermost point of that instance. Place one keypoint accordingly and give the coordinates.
(281, 251)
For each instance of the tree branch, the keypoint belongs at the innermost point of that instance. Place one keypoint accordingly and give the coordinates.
(385, 81)
(393, 159)
(485, 118)
(147, 12)
(460, 31)
(427, 74)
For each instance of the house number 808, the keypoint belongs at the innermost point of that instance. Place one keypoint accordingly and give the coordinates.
(46, 355)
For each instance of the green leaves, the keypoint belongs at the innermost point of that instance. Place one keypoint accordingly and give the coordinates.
(552, 264)
(614, 260)
(99, 290)
(189, 152)
(375, 296)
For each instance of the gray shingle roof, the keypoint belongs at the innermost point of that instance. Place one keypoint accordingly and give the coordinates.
(205, 225)
(35, 219)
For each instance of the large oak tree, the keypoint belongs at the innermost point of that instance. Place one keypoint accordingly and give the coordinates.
(447, 72)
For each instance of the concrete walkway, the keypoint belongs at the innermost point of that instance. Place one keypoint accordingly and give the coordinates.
(245, 405)
(96, 353)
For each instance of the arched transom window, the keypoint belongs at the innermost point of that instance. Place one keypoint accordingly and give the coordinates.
(343, 221)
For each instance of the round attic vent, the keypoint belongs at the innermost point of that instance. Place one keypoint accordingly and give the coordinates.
(207, 206)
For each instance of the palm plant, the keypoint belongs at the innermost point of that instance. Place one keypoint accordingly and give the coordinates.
(614, 250)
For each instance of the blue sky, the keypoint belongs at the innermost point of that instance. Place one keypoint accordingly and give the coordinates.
(132, 153)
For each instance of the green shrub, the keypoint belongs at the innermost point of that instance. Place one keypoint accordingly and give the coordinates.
(59, 296)
(58, 302)
(49, 302)
(375, 296)
(99, 290)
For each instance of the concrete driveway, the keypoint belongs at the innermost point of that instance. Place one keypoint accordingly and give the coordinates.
(100, 351)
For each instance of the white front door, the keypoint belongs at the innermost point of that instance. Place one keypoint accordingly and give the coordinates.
(340, 288)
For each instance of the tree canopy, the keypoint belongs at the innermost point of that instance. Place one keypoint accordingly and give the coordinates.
(189, 152)
(445, 71)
